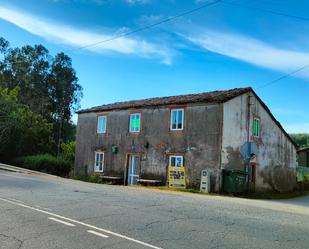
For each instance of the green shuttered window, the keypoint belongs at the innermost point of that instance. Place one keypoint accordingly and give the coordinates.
(135, 122)
(256, 127)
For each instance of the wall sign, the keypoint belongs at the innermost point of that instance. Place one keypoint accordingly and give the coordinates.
(176, 177)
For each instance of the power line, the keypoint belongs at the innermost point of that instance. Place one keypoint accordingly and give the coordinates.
(150, 26)
(140, 29)
(284, 76)
(283, 5)
(266, 10)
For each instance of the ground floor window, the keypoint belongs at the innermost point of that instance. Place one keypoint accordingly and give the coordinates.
(99, 161)
(176, 161)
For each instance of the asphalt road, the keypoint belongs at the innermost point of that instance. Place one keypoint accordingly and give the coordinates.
(48, 212)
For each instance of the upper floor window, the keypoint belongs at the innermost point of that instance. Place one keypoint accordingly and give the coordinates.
(135, 122)
(101, 126)
(177, 119)
(256, 127)
(176, 161)
(99, 161)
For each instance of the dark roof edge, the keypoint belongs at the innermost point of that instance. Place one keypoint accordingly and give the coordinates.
(101, 108)
(274, 119)
(303, 149)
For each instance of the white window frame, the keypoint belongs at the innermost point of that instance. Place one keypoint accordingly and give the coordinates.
(98, 124)
(95, 161)
(175, 156)
(140, 121)
(182, 121)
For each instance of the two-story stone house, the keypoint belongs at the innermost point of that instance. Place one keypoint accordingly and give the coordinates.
(139, 139)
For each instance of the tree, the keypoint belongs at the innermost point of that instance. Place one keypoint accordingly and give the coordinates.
(22, 132)
(302, 139)
(48, 85)
(65, 93)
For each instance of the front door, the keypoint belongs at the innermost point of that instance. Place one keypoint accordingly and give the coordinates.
(133, 170)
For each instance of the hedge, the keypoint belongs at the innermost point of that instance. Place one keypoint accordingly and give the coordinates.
(46, 163)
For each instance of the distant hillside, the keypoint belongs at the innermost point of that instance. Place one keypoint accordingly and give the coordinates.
(302, 139)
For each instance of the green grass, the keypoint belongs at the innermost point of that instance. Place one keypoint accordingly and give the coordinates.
(92, 178)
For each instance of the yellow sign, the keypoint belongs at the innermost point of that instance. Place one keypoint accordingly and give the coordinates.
(176, 177)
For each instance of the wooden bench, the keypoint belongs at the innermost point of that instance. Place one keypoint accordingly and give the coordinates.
(149, 182)
(113, 179)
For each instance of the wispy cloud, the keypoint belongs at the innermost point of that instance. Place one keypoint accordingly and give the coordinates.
(138, 1)
(250, 50)
(65, 34)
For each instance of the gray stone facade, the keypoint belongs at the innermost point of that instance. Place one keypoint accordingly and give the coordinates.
(212, 135)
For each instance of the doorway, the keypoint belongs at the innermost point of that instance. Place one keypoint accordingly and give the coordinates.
(133, 169)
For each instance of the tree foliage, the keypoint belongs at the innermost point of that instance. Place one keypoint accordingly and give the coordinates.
(302, 139)
(22, 132)
(48, 85)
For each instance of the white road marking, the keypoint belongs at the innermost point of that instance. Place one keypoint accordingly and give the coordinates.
(62, 222)
(17, 200)
(42, 207)
(98, 234)
(83, 224)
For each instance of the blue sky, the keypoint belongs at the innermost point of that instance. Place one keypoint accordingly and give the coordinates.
(219, 47)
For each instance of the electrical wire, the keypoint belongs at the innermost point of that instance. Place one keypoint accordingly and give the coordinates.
(265, 10)
(151, 25)
(284, 76)
(142, 28)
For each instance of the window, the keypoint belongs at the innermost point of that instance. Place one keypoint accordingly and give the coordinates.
(99, 161)
(176, 161)
(135, 122)
(101, 126)
(256, 127)
(177, 118)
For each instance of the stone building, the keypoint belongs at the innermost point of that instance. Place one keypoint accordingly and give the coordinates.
(138, 139)
(303, 157)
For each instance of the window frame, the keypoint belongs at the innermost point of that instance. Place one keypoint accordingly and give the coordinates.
(182, 120)
(104, 128)
(175, 156)
(258, 135)
(140, 122)
(95, 161)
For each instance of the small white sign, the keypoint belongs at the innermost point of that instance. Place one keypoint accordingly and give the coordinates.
(205, 181)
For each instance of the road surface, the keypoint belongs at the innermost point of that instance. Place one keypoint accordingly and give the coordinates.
(40, 211)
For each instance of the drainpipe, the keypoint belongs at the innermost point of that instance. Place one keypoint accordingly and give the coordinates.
(248, 140)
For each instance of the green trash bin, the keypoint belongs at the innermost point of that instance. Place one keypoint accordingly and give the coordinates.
(234, 181)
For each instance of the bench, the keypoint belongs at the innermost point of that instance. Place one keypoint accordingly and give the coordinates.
(112, 179)
(149, 182)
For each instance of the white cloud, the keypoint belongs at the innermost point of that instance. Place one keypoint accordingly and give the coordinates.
(64, 34)
(250, 50)
(297, 128)
(137, 1)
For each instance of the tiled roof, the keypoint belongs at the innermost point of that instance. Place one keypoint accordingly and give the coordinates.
(208, 97)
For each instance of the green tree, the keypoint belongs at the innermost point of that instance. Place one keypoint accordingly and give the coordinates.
(65, 95)
(48, 85)
(22, 132)
(302, 139)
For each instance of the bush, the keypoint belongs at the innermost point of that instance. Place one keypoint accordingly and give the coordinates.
(46, 163)
(68, 151)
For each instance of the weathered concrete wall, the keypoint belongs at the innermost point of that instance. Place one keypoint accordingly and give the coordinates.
(199, 143)
(276, 158)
